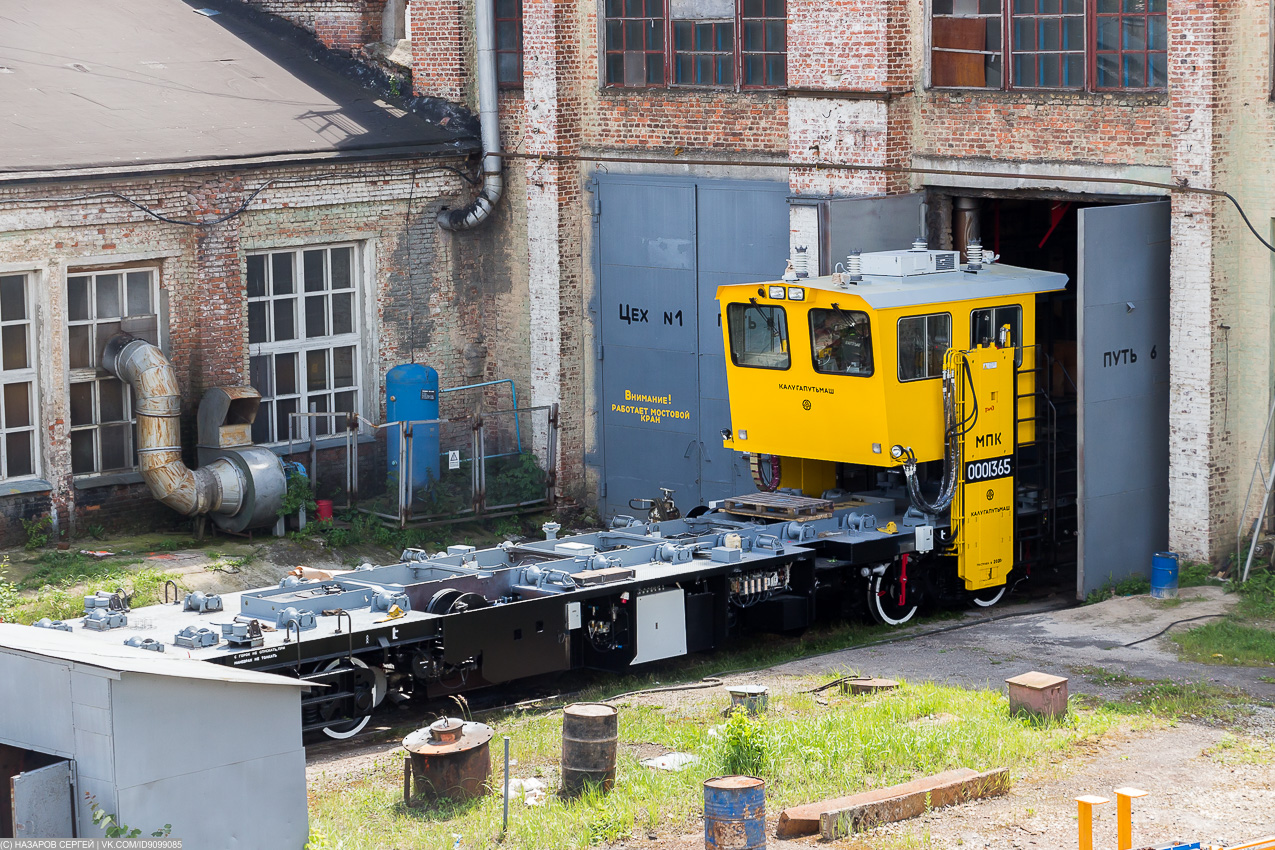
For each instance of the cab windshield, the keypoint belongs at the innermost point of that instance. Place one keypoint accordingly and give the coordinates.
(758, 336)
(841, 342)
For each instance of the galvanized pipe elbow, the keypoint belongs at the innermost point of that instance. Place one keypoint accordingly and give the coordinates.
(216, 488)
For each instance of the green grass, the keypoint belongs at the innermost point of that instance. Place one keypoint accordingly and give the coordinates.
(64, 568)
(1103, 676)
(1246, 749)
(1245, 637)
(1173, 701)
(808, 750)
(1228, 642)
(59, 603)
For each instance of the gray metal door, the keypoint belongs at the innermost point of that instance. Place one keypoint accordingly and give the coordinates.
(664, 244)
(1123, 369)
(42, 802)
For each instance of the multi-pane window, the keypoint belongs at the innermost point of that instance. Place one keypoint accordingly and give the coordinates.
(702, 43)
(1050, 44)
(509, 43)
(765, 49)
(1132, 44)
(923, 343)
(101, 406)
(303, 337)
(635, 42)
(17, 379)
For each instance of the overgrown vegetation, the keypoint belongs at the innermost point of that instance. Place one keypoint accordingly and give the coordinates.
(38, 530)
(805, 747)
(60, 602)
(1246, 637)
(112, 828)
(1228, 642)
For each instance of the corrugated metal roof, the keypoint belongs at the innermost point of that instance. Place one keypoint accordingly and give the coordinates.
(67, 646)
(109, 83)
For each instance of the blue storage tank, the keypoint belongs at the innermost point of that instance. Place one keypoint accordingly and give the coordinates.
(412, 396)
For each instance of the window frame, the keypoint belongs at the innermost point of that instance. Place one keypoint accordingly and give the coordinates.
(517, 52)
(28, 375)
(94, 375)
(301, 345)
(1018, 346)
(898, 332)
(814, 352)
(1007, 50)
(786, 334)
(739, 55)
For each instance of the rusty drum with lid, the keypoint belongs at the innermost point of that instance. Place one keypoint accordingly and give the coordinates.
(450, 758)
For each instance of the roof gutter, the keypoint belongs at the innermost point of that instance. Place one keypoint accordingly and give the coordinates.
(481, 207)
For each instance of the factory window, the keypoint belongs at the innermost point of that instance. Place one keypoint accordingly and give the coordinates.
(986, 326)
(923, 343)
(509, 43)
(732, 44)
(303, 339)
(103, 428)
(758, 336)
(1051, 44)
(841, 342)
(17, 379)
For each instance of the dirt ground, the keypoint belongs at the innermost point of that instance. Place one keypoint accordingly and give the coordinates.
(1198, 790)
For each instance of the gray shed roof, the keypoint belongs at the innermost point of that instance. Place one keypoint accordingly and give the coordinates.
(108, 83)
(67, 646)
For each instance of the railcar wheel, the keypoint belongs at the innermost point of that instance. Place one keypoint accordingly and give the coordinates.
(891, 601)
(341, 731)
(988, 596)
(766, 472)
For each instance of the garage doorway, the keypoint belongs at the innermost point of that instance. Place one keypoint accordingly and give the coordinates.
(1106, 343)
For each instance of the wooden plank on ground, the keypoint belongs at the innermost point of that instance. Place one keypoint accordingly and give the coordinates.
(854, 818)
(805, 820)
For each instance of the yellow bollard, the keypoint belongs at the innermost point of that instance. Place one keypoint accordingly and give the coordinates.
(1087, 802)
(1124, 816)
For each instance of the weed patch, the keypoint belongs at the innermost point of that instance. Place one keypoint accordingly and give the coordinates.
(1228, 642)
(1179, 701)
(144, 587)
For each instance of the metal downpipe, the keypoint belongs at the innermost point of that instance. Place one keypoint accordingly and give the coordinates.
(476, 212)
(215, 488)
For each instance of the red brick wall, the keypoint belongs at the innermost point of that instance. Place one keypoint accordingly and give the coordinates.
(441, 33)
(1129, 129)
(339, 24)
(664, 119)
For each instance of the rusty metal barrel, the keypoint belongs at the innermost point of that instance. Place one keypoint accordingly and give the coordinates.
(589, 734)
(449, 758)
(734, 813)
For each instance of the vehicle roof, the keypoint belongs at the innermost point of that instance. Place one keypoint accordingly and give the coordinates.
(882, 292)
(110, 83)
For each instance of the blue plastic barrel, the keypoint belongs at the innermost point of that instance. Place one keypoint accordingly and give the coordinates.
(1164, 575)
(412, 396)
(734, 813)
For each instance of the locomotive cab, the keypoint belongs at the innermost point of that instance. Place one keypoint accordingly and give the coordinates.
(911, 362)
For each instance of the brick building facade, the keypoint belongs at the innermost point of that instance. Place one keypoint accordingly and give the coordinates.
(1058, 107)
(1024, 115)
(293, 246)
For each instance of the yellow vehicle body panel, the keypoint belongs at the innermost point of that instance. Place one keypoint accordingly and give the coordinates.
(801, 412)
(983, 508)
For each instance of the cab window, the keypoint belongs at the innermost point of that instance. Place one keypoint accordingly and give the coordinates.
(985, 327)
(758, 336)
(841, 342)
(923, 343)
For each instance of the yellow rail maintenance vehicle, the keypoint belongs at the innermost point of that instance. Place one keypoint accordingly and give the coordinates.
(900, 395)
